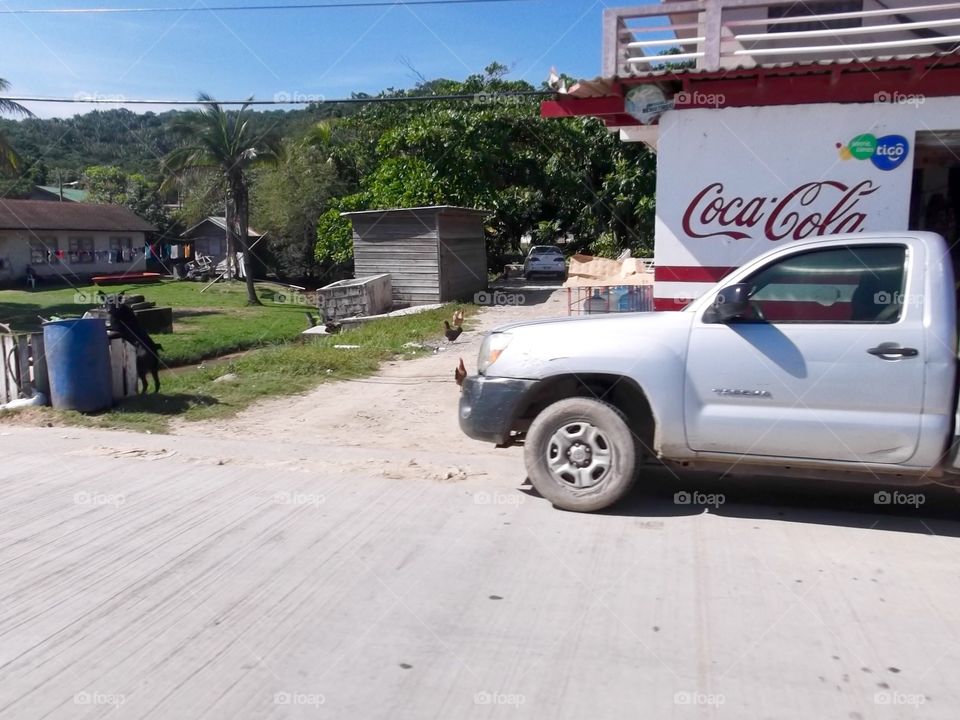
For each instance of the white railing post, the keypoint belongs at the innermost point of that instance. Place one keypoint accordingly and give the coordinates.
(710, 22)
(612, 26)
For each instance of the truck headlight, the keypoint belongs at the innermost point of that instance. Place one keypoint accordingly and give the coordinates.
(493, 346)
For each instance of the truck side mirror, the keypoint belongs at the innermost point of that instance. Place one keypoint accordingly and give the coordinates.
(732, 302)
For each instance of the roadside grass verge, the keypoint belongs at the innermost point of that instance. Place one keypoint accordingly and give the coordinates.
(285, 369)
(205, 324)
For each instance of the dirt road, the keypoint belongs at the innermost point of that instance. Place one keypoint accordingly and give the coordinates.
(358, 558)
(408, 406)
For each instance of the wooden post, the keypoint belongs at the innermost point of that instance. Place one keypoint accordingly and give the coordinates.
(23, 366)
(6, 344)
(41, 379)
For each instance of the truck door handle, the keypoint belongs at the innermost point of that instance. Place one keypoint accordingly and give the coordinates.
(892, 350)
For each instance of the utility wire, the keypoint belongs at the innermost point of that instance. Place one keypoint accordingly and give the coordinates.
(233, 8)
(481, 98)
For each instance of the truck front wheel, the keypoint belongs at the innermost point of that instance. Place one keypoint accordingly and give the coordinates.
(581, 454)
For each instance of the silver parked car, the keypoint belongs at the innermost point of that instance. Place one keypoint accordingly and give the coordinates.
(547, 259)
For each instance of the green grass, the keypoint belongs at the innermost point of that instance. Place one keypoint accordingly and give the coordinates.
(208, 324)
(284, 369)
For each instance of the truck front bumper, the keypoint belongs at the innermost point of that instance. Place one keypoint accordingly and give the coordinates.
(488, 406)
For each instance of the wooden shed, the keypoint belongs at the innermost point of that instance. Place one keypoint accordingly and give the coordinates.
(433, 254)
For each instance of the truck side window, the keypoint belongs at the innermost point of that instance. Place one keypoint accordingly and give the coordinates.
(854, 284)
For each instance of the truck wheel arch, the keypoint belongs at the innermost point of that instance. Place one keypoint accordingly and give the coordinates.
(621, 391)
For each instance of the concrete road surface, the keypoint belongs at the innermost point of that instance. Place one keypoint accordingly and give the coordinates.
(224, 573)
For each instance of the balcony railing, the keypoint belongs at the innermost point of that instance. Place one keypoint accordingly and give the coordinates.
(718, 34)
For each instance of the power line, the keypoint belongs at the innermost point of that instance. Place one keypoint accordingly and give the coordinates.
(482, 98)
(235, 8)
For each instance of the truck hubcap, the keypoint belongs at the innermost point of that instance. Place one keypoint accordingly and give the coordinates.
(579, 455)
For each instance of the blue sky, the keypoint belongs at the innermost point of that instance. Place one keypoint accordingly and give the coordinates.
(311, 52)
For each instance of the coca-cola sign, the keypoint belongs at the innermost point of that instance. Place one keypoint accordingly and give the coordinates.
(820, 207)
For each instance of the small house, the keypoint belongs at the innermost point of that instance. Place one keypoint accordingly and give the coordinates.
(69, 240)
(433, 254)
(209, 237)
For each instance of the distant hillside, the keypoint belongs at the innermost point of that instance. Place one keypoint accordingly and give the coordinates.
(120, 137)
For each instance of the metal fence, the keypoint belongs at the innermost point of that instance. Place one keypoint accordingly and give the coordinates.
(609, 299)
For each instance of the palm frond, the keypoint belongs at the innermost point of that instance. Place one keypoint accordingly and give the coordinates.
(9, 106)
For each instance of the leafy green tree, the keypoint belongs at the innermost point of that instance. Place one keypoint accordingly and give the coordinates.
(9, 160)
(291, 196)
(112, 186)
(552, 179)
(225, 144)
(105, 184)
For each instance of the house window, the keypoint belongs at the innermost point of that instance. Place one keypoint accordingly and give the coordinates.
(43, 250)
(81, 250)
(121, 249)
(213, 247)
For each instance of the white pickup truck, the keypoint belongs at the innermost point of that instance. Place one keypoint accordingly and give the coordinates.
(831, 358)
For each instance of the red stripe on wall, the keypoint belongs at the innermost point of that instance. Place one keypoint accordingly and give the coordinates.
(692, 273)
(668, 304)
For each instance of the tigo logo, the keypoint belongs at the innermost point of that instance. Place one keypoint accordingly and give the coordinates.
(886, 153)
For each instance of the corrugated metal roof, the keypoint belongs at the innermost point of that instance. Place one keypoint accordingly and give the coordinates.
(71, 194)
(221, 222)
(430, 208)
(794, 67)
(46, 215)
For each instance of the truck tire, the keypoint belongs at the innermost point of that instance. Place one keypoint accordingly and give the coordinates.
(581, 454)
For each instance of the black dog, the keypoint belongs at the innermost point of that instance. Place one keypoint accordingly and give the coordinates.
(124, 321)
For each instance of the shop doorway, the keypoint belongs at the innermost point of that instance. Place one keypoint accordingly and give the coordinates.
(935, 198)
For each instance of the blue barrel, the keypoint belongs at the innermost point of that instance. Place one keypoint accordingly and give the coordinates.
(78, 363)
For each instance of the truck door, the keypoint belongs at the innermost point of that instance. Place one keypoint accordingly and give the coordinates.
(828, 365)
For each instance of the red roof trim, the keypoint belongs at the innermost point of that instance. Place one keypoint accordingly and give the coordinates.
(801, 84)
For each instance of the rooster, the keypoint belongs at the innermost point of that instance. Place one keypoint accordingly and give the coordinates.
(452, 330)
(451, 333)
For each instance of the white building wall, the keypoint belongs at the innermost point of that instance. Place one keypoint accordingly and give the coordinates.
(15, 254)
(735, 182)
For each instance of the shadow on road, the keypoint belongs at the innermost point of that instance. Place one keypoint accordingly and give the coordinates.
(534, 291)
(931, 510)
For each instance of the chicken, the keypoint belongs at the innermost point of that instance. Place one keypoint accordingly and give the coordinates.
(458, 318)
(332, 327)
(460, 374)
(451, 333)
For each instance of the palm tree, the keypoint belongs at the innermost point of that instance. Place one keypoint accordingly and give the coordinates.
(222, 143)
(9, 161)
